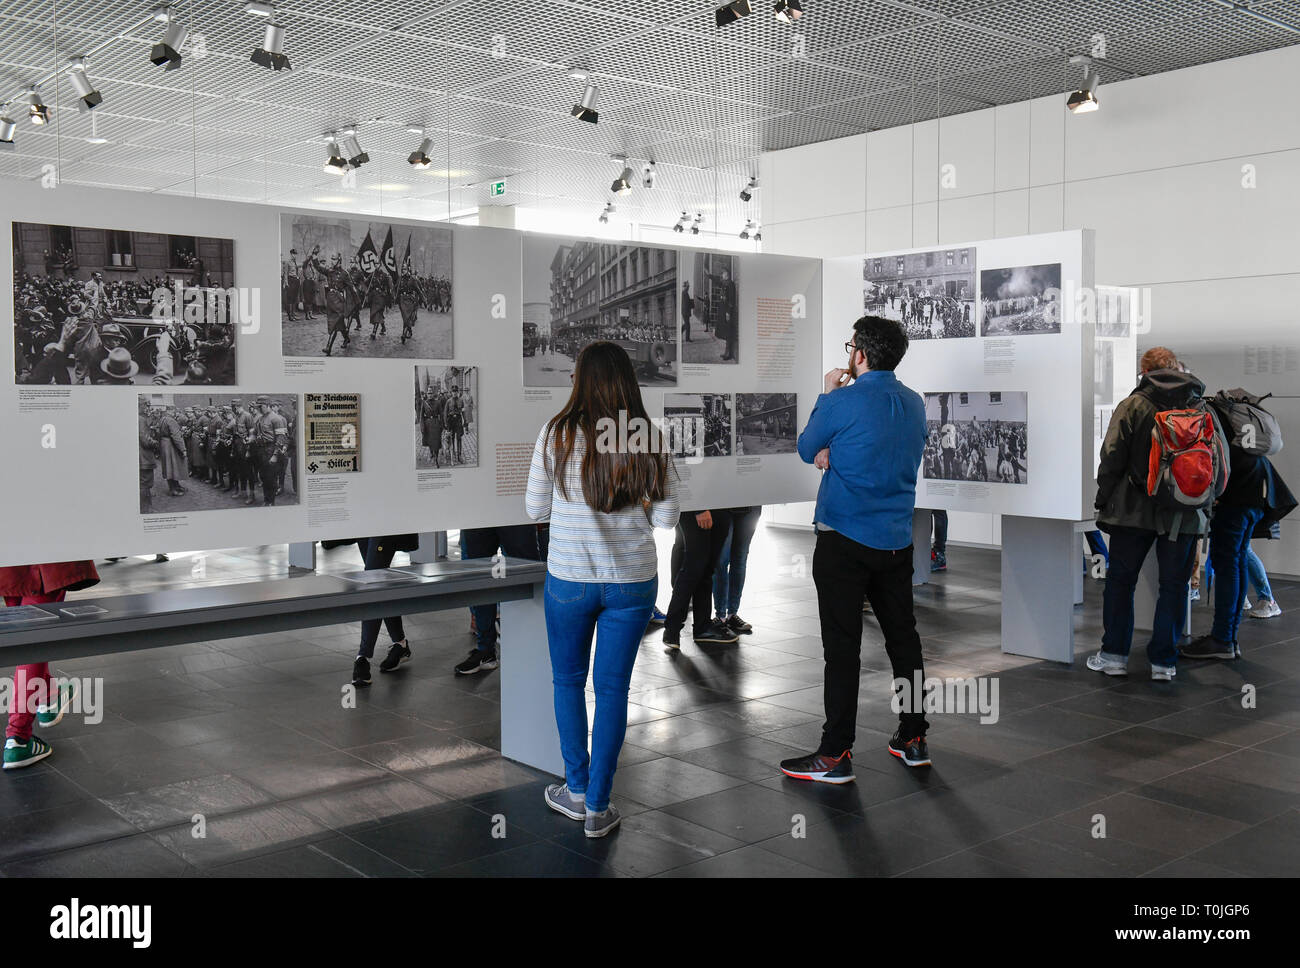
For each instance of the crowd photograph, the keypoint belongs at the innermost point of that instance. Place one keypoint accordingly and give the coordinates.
(932, 294)
(698, 424)
(365, 289)
(977, 437)
(87, 308)
(211, 451)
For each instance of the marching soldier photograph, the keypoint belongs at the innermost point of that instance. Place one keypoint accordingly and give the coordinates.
(237, 456)
(387, 271)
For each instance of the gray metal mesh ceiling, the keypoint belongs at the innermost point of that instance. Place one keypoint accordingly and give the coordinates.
(488, 80)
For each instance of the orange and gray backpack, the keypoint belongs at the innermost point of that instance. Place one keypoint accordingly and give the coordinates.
(1188, 468)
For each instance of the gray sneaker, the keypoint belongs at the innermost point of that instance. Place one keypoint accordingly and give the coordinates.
(1111, 665)
(560, 799)
(600, 824)
(1163, 673)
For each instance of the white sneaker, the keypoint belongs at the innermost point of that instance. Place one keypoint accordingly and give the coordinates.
(1111, 665)
(1196, 594)
(1163, 673)
(1245, 605)
(1266, 609)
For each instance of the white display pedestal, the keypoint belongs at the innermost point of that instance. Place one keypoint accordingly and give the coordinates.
(1148, 588)
(528, 731)
(922, 527)
(1041, 580)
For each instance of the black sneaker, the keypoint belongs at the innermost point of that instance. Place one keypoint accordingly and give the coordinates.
(672, 640)
(361, 671)
(717, 633)
(820, 768)
(477, 661)
(1208, 647)
(399, 653)
(738, 625)
(913, 752)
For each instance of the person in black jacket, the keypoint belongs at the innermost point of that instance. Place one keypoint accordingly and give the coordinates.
(378, 553)
(1135, 522)
(1256, 496)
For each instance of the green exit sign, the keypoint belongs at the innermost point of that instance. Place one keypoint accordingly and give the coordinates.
(498, 188)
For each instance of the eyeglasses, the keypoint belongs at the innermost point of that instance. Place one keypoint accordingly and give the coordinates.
(850, 347)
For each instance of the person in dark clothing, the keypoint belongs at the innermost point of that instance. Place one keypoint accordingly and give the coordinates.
(867, 432)
(1255, 498)
(1136, 523)
(698, 547)
(688, 307)
(513, 541)
(378, 553)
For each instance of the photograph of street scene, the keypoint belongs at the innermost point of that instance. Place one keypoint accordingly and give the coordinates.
(980, 436)
(931, 293)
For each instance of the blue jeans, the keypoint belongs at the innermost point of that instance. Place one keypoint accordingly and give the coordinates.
(1174, 559)
(940, 545)
(1230, 532)
(617, 614)
(729, 575)
(1258, 576)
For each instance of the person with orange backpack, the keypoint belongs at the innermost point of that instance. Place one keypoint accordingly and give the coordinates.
(1163, 465)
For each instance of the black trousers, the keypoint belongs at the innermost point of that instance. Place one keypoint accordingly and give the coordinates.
(692, 569)
(844, 571)
(378, 553)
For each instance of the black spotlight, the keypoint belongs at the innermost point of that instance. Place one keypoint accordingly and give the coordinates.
(167, 53)
(271, 54)
(731, 12)
(788, 11)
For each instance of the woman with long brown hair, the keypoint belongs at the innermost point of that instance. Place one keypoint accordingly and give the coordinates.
(601, 476)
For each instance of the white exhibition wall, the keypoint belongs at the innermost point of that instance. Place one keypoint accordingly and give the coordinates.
(70, 474)
(1187, 179)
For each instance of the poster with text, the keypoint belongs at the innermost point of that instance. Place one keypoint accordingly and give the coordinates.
(331, 433)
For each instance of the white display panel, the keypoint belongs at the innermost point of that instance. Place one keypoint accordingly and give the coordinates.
(1035, 347)
(72, 468)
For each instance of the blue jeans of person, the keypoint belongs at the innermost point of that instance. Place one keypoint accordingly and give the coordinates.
(729, 575)
(515, 541)
(1174, 560)
(616, 613)
(378, 553)
(940, 545)
(1230, 531)
(1098, 544)
(1258, 576)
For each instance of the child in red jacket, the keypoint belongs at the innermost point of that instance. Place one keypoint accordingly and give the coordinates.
(38, 585)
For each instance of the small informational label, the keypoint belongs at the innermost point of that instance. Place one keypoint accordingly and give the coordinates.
(82, 611)
(307, 367)
(538, 396)
(513, 461)
(328, 500)
(941, 488)
(999, 356)
(24, 615)
(973, 492)
(44, 399)
(748, 465)
(157, 523)
(332, 433)
(432, 481)
(694, 369)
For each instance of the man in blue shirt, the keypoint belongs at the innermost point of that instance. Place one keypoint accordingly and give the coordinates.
(867, 433)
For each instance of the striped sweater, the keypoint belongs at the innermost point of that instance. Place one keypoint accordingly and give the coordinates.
(589, 545)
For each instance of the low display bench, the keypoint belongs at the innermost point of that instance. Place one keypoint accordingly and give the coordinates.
(151, 620)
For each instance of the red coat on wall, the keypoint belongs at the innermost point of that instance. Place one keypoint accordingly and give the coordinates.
(56, 576)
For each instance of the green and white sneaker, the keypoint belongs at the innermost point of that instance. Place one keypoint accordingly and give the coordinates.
(18, 755)
(47, 716)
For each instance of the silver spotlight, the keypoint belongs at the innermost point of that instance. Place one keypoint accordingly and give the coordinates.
(750, 227)
(420, 158)
(335, 163)
(1085, 98)
(649, 175)
(747, 193)
(7, 129)
(606, 213)
(695, 226)
(681, 223)
(623, 183)
(86, 93)
(271, 54)
(585, 109)
(167, 54)
(39, 112)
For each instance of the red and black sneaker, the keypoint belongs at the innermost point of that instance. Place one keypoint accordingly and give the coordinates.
(913, 752)
(820, 767)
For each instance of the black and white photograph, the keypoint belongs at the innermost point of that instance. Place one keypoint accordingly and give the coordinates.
(931, 293)
(356, 288)
(1103, 372)
(581, 292)
(977, 436)
(698, 424)
(766, 423)
(1022, 301)
(1114, 313)
(710, 309)
(446, 416)
(110, 307)
(213, 451)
